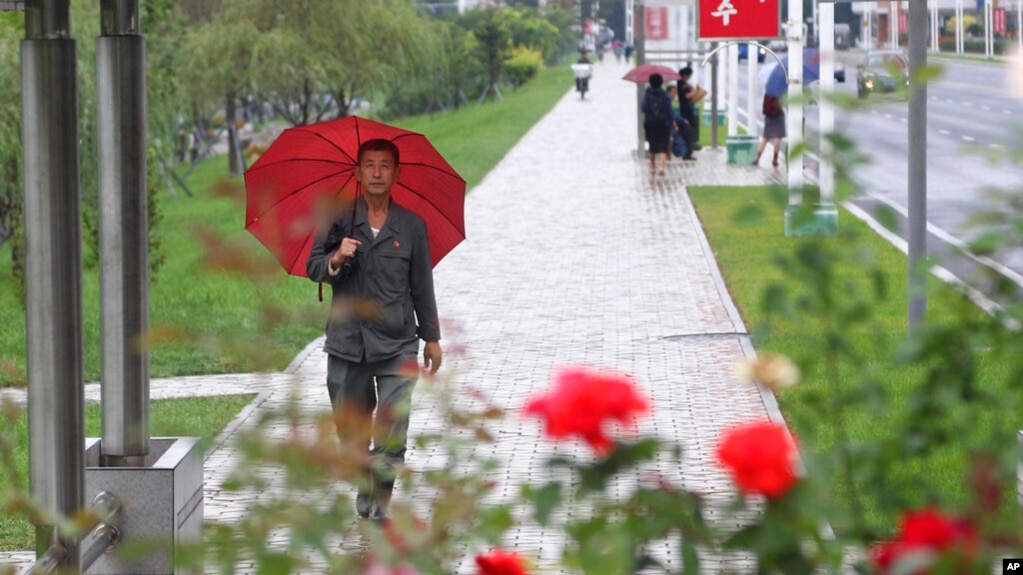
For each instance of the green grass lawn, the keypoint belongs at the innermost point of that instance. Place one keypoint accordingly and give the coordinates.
(202, 417)
(861, 399)
(221, 304)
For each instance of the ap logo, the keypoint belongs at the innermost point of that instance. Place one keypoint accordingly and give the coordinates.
(1014, 566)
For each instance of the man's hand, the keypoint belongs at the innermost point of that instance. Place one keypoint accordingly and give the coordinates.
(344, 252)
(432, 356)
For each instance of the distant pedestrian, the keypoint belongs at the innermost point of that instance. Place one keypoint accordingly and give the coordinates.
(629, 49)
(657, 123)
(774, 128)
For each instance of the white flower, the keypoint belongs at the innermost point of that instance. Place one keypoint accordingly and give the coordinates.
(773, 371)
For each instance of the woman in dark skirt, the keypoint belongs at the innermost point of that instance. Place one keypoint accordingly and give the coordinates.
(774, 130)
(657, 124)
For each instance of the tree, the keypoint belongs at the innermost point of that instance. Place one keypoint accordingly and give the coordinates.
(495, 43)
(11, 203)
(215, 62)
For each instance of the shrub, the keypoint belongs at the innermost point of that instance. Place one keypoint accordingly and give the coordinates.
(523, 65)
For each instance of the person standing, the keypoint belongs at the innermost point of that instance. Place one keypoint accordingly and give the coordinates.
(657, 123)
(774, 128)
(687, 105)
(376, 258)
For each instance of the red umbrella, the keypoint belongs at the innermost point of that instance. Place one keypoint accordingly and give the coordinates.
(309, 171)
(641, 74)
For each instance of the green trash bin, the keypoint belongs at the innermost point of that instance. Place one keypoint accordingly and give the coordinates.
(741, 148)
(708, 118)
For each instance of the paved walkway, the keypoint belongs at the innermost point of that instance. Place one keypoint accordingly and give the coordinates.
(575, 255)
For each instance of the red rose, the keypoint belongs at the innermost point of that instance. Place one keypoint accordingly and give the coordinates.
(501, 563)
(760, 457)
(927, 531)
(583, 400)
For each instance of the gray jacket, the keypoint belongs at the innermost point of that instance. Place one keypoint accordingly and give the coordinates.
(376, 305)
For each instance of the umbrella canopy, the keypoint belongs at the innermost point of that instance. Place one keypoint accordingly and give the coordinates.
(308, 173)
(777, 81)
(641, 74)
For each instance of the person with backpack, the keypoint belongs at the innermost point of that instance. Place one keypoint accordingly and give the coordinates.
(657, 123)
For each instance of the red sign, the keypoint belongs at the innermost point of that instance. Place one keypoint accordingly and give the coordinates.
(998, 24)
(903, 21)
(656, 19)
(739, 20)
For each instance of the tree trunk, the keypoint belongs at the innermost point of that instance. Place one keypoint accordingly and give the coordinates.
(342, 104)
(232, 140)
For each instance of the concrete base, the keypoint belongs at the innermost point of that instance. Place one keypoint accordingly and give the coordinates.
(162, 504)
(811, 220)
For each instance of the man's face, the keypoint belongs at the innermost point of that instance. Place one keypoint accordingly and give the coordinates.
(377, 172)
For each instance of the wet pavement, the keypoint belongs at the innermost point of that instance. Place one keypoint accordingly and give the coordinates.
(575, 255)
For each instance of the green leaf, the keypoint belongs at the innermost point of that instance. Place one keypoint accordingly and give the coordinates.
(275, 564)
(546, 499)
(690, 559)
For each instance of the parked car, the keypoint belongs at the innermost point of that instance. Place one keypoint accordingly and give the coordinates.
(744, 52)
(882, 71)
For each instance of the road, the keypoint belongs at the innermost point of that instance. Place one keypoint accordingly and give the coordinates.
(974, 128)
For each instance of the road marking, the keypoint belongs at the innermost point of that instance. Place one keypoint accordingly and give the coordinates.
(967, 105)
(995, 146)
(943, 132)
(1009, 112)
(975, 87)
(904, 120)
(969, 139)
(985, 108)
(949, 238)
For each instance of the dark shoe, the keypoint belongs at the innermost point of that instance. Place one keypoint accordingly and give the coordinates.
(363, 502)
(379, 515)
(379, 505)
(775, 163)
(689, 157)
(697, 147)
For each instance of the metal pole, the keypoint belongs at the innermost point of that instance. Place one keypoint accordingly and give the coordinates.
(917, 165)
(53, 269)
(124, 233)
(935, 40)
(751, 88)
(640, 49)
(630, 9)
(825, 106)
(989, 33)
(714, 97)
(794, 120)
(959, 27)
(893, 24)
(732, 71)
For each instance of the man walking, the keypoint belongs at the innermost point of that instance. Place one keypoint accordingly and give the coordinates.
(376, 257)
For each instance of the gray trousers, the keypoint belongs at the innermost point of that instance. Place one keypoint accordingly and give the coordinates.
(354, 398)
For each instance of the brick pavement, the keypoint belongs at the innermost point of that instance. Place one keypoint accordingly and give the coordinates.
(575, 255)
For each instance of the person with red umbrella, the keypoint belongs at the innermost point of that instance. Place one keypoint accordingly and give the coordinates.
(657, 123)
(376, 258)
